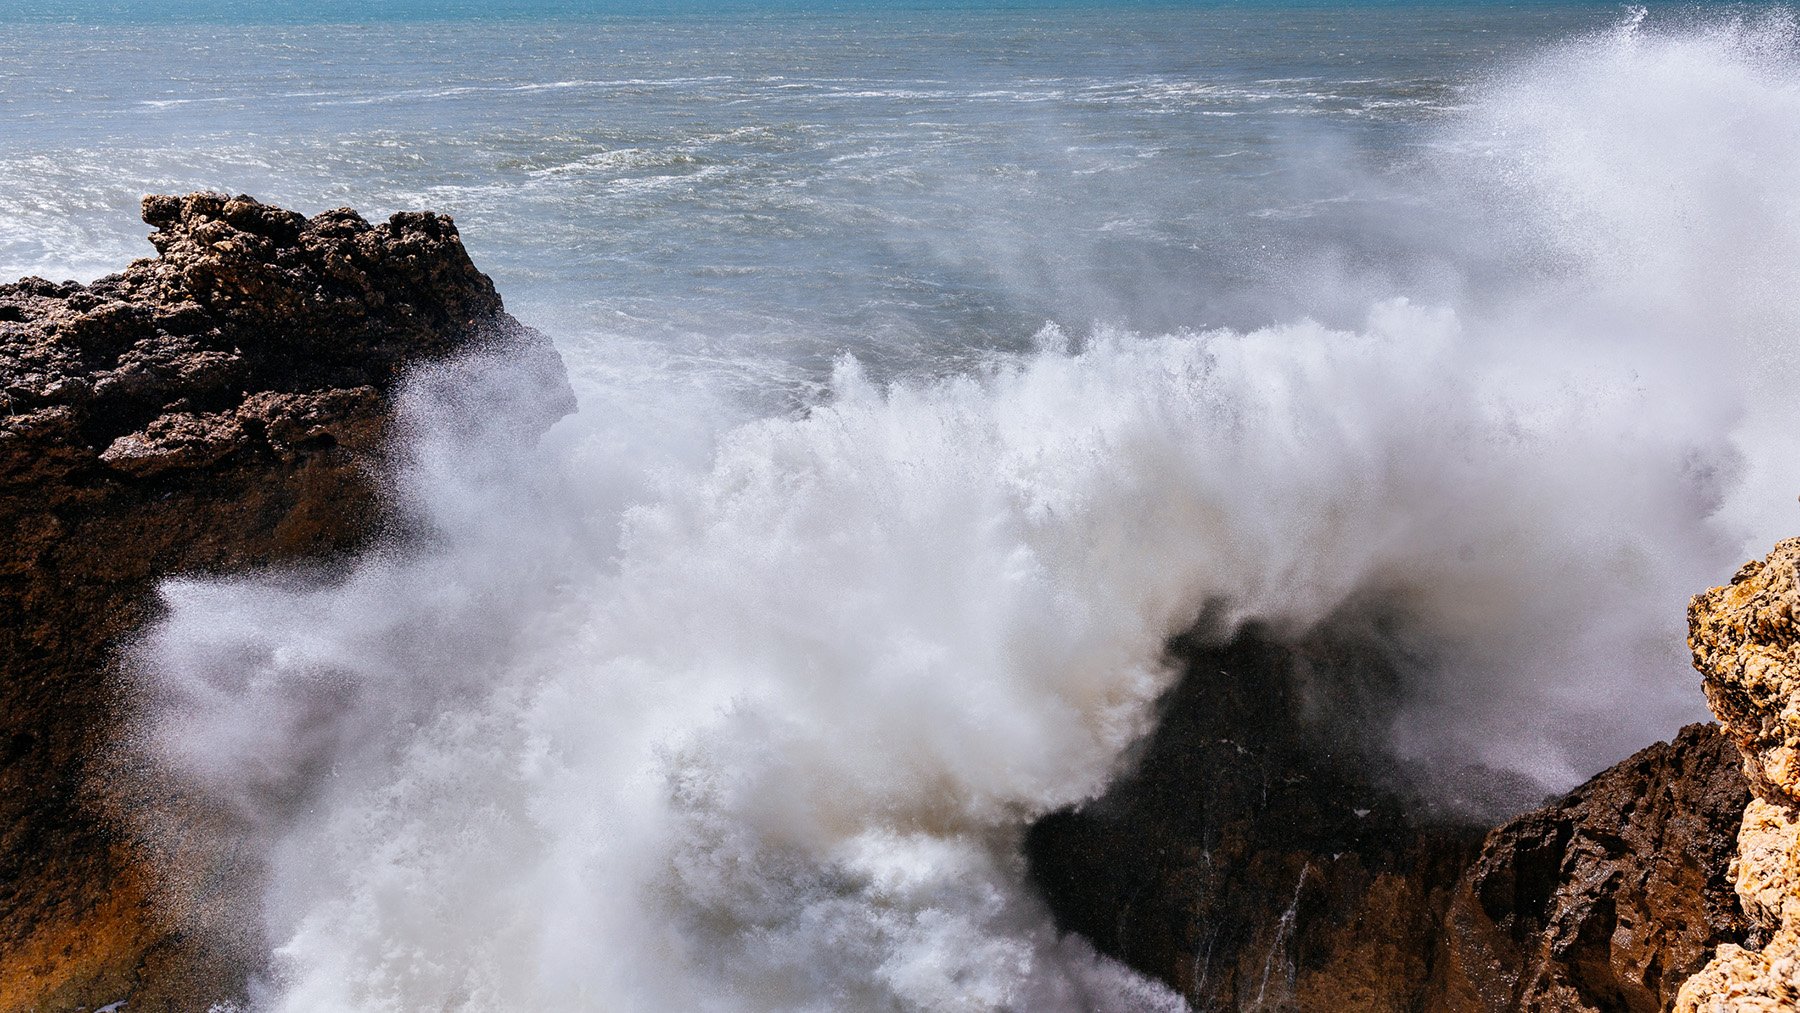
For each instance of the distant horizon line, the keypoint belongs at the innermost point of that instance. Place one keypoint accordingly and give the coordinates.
(352, 12)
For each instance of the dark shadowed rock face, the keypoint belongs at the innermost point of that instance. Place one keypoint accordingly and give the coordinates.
(216, 408)
(1255, 859)
(1259, 860)
(1608, 898)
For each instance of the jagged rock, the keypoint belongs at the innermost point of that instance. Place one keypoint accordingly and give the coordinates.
(1747, 648)
(215, 408)
(1607, 898)
(1257, 860)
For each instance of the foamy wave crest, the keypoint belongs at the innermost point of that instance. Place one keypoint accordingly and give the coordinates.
(679, 711)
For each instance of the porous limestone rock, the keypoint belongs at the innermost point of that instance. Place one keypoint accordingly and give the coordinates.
(1747, 648)
(215, 408)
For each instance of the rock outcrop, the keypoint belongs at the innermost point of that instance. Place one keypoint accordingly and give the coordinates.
(215, 408)
(1254, 859)
(1257, 860)
(1746, 642)
(1606, 899)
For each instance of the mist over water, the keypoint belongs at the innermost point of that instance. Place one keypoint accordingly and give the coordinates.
(739, 688)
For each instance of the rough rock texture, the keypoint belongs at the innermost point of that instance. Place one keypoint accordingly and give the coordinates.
(215, 408)
(1747, 647)
(1607, 898)
(1258, 860)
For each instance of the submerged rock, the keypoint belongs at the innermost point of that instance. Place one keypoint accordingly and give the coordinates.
(1746, 644)
(216, 408)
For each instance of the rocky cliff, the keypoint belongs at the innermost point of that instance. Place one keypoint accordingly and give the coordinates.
(1746, 642)
(1603, 900)
(217, 407)
(1260, 860)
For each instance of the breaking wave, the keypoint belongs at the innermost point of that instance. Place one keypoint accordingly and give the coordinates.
(682, 709)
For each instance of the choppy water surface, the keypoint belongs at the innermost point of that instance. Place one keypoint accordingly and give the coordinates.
(924, 180)
(935, 366)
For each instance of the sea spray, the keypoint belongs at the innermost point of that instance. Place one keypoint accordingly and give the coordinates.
(669, 712)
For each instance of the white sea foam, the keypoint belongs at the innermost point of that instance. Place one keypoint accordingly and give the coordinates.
(681, 710)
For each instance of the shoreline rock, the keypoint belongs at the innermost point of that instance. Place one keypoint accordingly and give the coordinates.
(1254, 860)
(219, 407)
(1607, 898)
(1746, 645)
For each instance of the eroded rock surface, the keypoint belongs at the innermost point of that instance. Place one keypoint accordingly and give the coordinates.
(1747, 647)
(1259, 860)
(215, 408)
(1606, 899)
(1256, 859)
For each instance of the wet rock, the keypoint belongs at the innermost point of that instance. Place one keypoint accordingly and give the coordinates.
(1259, 858)
(219, 407)
(1256, 859)
(1608, 898)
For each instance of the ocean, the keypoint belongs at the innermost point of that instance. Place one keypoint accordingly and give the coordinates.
(937, 361)
(823, 177)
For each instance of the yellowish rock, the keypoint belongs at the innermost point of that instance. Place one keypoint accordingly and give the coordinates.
(1746, 645)
(1767, 869)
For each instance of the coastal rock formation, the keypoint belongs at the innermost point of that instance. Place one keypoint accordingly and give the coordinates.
(215, 408)
(1746, 645)
(1253, 859)
(1605, 899)
(1257, 860)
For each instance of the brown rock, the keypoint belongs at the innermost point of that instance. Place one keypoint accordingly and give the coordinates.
(175, 440)
(215, 408)
(1258, 860)
(1607, 898)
